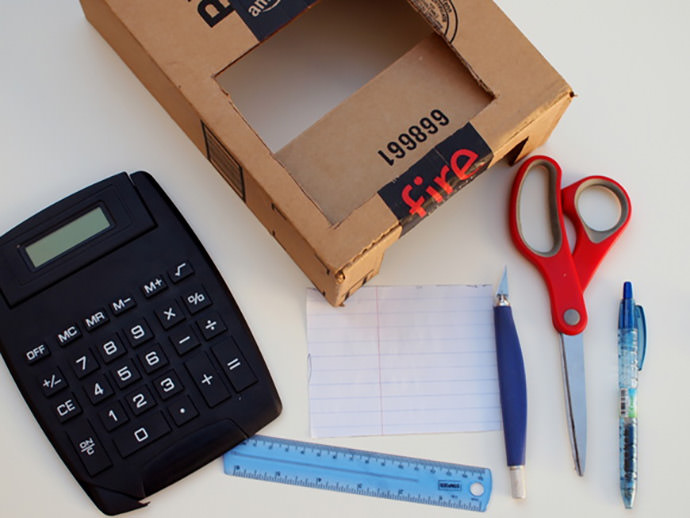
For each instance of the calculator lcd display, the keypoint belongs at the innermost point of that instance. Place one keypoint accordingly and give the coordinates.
(67, 237)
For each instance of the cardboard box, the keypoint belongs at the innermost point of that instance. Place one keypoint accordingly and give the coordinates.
(467, 92)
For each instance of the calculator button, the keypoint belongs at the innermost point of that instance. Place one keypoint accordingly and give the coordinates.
(122, 304)
(96, 320)
(113, 416)
(140, 401)
(89, 448)
(68, 335)
(111, 349)
(153, 358)
(125, 374)
(67, 408)
(138, 333)
(142, 433)
(207, 380)
(211, 326)
(196, 300)
(84, 364)
(181, 271)
(168, 385)
(36, 353)
(233, 364)
(52, 382)
(182, 411)
(170, 315)
(98, 389)
(184, 340)
(154, 286)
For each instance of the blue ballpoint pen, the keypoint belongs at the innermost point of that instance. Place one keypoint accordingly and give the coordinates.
(632, 345)
(512, 387)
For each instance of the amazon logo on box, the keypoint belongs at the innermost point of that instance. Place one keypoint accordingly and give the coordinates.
(263, 17)
(213, 11)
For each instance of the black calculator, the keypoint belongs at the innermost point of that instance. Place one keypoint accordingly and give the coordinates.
(125, 341)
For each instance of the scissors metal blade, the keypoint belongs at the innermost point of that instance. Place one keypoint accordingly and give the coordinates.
(573, 357)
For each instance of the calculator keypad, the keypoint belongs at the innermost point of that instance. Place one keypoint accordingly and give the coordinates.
(124, 367)
(127, 346)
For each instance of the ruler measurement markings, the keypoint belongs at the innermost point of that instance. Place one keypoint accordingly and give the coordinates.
(320, 466)
(381, 475)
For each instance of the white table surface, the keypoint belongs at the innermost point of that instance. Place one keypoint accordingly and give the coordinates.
(72, 113)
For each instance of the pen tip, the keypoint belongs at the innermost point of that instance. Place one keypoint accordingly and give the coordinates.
(628, 497)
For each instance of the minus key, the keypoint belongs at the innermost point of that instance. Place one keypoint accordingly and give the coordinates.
(184, 339)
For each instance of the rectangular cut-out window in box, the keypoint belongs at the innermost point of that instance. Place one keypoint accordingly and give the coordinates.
(351, 95)
(407, 125)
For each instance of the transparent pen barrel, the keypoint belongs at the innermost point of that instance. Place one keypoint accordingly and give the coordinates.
(628, 452)
(627, 384)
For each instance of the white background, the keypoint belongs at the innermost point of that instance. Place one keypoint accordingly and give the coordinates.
(71, 113)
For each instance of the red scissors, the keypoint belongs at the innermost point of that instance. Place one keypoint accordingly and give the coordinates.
(567, 274)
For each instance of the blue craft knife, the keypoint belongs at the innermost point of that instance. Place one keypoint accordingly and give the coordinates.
(513, 388)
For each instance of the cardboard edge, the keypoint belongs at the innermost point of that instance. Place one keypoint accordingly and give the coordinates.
(438, 28)
(536, 130)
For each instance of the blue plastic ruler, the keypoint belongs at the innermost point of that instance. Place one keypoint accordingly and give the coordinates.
(360, 472)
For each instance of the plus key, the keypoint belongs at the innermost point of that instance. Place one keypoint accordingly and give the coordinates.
(207, 380)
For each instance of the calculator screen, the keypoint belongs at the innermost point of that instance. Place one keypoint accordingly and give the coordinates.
(68, 236)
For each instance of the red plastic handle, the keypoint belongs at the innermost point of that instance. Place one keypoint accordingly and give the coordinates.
(592, 245)
(556, 266)
(567, 274)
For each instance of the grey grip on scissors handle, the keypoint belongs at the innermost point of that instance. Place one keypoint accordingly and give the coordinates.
(557, 267)
(591, 245)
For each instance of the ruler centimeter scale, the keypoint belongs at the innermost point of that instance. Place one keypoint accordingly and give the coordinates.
(360, 472)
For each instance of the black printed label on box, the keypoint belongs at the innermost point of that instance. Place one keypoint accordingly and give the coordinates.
(214, 11)
(264, 17)
(443, 171)
(442, 16)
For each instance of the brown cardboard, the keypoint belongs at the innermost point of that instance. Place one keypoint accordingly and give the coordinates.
(336, 197)
(318, 157)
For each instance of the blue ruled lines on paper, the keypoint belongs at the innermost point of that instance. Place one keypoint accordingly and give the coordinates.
(393, 360)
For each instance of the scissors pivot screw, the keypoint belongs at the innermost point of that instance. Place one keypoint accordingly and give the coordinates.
(572, 317)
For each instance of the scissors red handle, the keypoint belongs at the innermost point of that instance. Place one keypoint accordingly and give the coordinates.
(567, 273)
(592, 245)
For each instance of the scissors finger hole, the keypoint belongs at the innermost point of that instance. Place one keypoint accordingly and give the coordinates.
(599, 208)
(537, 211)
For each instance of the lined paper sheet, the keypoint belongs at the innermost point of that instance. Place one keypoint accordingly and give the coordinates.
(395, 360)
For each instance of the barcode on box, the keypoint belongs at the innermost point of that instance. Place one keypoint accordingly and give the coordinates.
(223, 161)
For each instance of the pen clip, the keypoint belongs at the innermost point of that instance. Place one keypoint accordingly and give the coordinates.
(641, 325)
